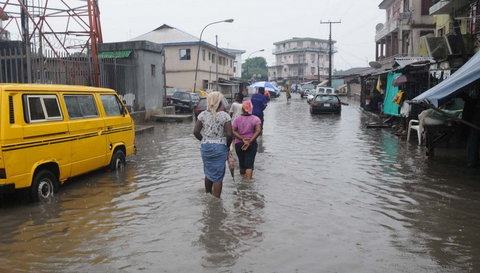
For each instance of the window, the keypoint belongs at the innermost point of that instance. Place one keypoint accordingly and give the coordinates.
(312, 69)
(203, 54)
(80, 106)
(41, 108)
(213, 58)
(185, 96)
(185, 54)
(209, 55)
(152, 70)
(205, 84)
(111, 105)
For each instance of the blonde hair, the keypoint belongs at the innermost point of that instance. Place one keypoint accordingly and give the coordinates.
(213, 101)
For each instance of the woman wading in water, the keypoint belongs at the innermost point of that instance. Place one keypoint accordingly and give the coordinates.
(214, 130)
(246, 129)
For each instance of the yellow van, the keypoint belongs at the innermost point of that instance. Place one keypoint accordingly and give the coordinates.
(49, 133)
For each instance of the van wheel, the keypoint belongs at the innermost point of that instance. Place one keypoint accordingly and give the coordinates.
(43, 186)
(118, 161)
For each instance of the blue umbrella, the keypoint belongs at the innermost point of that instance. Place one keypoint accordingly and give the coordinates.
(268, 86)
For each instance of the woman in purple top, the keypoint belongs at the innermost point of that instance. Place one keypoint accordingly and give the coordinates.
(246, 129)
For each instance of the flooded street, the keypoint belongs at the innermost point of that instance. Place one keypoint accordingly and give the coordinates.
(328, 195)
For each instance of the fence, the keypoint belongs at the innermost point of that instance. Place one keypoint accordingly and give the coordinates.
(20, 66)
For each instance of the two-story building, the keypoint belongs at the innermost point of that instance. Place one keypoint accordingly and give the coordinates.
(237, 64)
(299, 59)
(181, 59)
(406, 21)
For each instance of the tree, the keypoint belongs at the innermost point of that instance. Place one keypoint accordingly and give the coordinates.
(255, 66)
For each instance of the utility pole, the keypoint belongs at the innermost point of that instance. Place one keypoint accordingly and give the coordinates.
(318, 65)
(330, 52)
(216, 61)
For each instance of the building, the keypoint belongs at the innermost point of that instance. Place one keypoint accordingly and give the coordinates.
(237, 64)
(181, 55)
(300, 59)
(406, 22)
(457, 35)
(351, 79)
(136, 73)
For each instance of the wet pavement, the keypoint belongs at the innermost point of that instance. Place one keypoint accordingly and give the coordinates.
(328, 195)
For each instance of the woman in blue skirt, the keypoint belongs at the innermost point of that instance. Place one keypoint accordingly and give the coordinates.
(214, 130)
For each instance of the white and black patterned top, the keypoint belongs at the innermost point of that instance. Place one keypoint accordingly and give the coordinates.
(213, 128)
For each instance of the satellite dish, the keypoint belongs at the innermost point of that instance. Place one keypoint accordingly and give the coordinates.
(379, 27)
(375, 65)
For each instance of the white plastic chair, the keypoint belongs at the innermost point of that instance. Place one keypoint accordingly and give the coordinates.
(415, 125)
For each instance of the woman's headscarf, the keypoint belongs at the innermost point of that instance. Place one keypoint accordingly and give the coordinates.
(247, 106)
(213, 101)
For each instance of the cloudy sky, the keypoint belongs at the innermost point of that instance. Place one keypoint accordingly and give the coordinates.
(258, 23)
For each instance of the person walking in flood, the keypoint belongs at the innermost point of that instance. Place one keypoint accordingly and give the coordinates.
(259, 103)
(236, 109)
(246, 129)
(214, 129)
(287, 93)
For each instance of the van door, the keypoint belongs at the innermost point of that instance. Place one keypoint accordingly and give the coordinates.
(89, 146)
(119, 125)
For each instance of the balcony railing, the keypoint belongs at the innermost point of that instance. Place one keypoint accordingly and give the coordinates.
(390, 26)
(300, 49)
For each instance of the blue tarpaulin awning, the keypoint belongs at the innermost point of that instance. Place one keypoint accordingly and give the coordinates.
(451, 86)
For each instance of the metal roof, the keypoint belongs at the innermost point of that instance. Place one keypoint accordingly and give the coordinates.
(297, 39)
(170, 36)
(452, 86)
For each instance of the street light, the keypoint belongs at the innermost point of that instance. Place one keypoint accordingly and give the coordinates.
(198, 51)
(261, 50)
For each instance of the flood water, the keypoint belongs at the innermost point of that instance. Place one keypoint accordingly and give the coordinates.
(328, 195)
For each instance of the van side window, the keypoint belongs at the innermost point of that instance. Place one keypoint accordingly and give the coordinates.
(41, 108)
(111, 105)
(80, 106)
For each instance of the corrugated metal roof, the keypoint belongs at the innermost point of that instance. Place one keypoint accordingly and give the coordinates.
(169, 36)
(166, 34)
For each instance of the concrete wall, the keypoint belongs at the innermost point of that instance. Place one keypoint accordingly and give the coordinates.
(150, 83)
(147, 90)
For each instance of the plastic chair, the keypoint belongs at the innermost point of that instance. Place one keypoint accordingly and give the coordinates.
(415, 125)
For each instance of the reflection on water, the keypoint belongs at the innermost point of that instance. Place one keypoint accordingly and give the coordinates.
(329, 195)
(227, 233)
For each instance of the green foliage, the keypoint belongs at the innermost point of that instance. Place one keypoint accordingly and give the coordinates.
(255, 66)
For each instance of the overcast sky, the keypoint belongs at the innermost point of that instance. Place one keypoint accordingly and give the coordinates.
(258, 23)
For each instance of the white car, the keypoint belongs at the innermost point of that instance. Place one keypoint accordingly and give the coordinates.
(321, 90)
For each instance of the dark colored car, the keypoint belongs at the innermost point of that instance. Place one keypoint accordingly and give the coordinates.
(202, 106)
(169, 94)
(326, 104)
(185, 101)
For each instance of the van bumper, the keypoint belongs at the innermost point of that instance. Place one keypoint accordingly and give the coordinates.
(7, 188)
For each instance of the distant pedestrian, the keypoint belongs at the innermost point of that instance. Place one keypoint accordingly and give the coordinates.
(246, 129)
(236, 109)
(214, 129)
(259, 102)
(287, 93)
